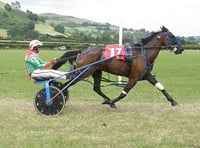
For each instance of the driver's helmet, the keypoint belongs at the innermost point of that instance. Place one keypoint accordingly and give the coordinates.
(34, 43)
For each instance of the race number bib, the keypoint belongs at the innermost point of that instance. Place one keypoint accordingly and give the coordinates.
(115, 50)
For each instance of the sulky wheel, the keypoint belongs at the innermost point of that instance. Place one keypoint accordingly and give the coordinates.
(52, 108)
(60, 86)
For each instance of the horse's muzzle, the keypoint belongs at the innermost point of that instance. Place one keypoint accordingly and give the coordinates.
(178, 50)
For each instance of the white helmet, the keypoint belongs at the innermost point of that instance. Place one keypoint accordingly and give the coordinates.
(34, 43)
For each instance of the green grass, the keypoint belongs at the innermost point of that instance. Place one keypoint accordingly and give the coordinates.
(143, 119)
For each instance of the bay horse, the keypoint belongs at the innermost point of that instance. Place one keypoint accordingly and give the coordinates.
(140, 67)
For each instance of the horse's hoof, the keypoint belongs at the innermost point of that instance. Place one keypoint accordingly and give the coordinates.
(109, 102)
(174, 103)
(112, 105)
(106, 101)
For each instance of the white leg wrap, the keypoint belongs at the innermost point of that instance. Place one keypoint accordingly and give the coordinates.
(159, 86)
(125, 93)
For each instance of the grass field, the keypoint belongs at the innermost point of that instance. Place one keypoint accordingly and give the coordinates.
(143, 119)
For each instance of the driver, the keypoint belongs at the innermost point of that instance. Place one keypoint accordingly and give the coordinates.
(36, 68)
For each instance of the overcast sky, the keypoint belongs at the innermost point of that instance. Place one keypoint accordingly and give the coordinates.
(181, 17)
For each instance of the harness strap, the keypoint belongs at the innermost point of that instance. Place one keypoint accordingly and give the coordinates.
(129, 55)
(129, 58)
(148, 65)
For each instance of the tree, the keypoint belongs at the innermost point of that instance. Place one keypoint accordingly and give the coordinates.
(7, 7)
(52, 25)
(105, 38)
(32, 16)
(16, 4)
(23, 31)
(42, 19)
(29, 26)
(59, 28)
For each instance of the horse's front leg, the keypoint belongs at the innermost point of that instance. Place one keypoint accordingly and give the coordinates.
(97, 86)
(160, 87)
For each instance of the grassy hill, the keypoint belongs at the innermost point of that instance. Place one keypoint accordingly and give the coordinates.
(12, 17)
(70, 23)
(45, 28)
(75, 28)
(16, 16)
(70, 20)
(73, 23)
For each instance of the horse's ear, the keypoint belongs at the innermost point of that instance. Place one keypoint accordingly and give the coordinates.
(164, 29)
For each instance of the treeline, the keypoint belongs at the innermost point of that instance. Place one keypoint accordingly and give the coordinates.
(70, 45)
(10, 44)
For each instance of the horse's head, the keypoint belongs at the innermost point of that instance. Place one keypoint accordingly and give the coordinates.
(170, 41)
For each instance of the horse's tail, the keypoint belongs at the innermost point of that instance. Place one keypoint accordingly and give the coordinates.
(69, 56)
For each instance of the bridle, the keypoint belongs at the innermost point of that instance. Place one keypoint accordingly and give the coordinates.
(171, 43)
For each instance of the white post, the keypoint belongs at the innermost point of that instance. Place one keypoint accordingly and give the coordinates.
(120, 43)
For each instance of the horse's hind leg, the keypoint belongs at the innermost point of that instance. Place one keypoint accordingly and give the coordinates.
(97, 86)
(131, 83)
(160, 87)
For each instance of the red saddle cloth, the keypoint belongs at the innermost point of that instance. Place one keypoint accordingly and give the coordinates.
(115, 50)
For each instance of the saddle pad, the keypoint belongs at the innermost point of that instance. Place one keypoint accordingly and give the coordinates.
(115, 50)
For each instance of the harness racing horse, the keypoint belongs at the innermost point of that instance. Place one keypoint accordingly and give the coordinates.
(140, 67)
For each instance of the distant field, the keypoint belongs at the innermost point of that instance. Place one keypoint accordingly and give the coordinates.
(143, 119)
(46, 29)
(3, 33)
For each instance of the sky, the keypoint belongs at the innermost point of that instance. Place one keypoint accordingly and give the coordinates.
(181, 17)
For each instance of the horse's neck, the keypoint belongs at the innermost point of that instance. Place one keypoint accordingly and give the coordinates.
(152, 53)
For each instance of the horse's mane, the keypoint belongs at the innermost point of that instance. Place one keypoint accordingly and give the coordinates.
(147, 39)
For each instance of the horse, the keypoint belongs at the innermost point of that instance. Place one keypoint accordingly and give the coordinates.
(137, 69)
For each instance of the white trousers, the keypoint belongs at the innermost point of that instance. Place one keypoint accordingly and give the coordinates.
(48, 73)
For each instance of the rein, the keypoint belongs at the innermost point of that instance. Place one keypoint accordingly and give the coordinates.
(152, 47)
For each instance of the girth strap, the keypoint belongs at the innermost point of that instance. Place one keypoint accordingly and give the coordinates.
(149, 66)
(129, 58)
(129, 55)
